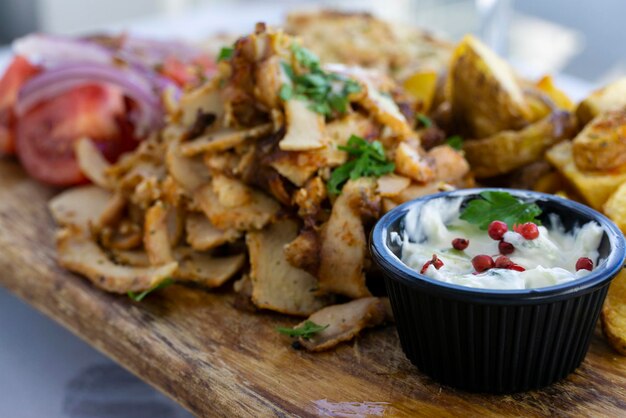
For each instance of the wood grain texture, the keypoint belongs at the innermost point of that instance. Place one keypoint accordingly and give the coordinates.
(218, 361)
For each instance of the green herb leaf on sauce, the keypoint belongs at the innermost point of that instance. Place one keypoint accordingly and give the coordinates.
(327, 92)
(306, 330)
(138, 297)
(499, 206)
(367, 159)
(455, 142)
(226, 53)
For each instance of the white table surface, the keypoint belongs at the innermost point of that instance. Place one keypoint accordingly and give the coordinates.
(45, 371)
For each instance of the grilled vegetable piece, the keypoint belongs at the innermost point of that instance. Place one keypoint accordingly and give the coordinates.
(343, 249)
(345, 321)
(613, 315)
(276, 284)
(79, 253)
(594, 187)
(601, 145)
(508, 150)
(485, 95)
(611, 97)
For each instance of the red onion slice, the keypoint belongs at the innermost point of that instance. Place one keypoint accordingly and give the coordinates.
(55, 81)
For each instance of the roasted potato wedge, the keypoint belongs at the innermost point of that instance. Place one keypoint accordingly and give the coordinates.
(601, 145)
(485, 95)
(421, 85)
(594, 187)
(611, 97)
(508, 150)
(615, 207)
(614, 314)
(559, 98)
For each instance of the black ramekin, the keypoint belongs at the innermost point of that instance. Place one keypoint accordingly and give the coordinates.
(496, 341)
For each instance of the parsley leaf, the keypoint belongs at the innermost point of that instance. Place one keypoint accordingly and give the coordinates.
(288, 69)
(226, 53)
(286, 92)
(327, 92)
(138, 297)
(368, 159)
(499, 206)
(305, 57)
(306, 330)
(455, 142)
(424, 120)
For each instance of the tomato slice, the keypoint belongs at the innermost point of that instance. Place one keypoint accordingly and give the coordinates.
(14, 77)
(177, 71)
(188, 74)
(45, 135)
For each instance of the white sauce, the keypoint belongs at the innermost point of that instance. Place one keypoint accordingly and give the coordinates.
(549, 259)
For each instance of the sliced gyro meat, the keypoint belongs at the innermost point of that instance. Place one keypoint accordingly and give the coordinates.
(230, 204)
(156, 237)
(344, 322)
(202, 235)
(276, 284)
(92, 163)
(79, 253)
(80, 206)
(206, 269)
(343, 248)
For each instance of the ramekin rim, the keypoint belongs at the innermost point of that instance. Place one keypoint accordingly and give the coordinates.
(387, 260)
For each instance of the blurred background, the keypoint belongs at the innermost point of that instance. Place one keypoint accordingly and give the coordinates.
(538, 36)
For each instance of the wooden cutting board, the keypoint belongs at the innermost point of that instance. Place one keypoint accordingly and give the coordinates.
(219, 361)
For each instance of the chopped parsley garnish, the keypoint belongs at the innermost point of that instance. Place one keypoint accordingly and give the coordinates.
(424, 120)
(456, 142)
(305, 57)
(306, 330)
(138, 297)
(499, 206)
(327, 92)
(367, 159)
(226, 53)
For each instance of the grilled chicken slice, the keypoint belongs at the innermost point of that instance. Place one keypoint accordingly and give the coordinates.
(276, 284)
(80, 254)
(344, 322)
(343, 248)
